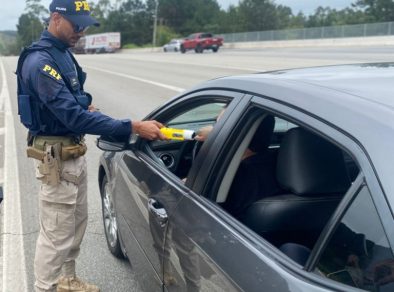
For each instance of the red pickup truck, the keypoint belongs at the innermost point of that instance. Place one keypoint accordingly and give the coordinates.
(201, 41)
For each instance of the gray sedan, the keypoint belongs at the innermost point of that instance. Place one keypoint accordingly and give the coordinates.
(288, 188)
(173, 46)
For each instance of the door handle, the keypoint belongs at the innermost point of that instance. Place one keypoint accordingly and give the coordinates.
(158, 212)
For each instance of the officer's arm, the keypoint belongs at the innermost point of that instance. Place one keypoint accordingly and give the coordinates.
(54, 93)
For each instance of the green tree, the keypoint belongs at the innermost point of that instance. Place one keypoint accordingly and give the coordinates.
(323, 16)
(30, 24)
(376, 10)
(204, 18)
(297, 21)
(257, 15)
(185, 16)
(284, 15)
(29, 29)
(133, 20)
(34, 7)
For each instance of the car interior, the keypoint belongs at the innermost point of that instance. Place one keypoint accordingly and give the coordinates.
(289, 188)
(283, 182)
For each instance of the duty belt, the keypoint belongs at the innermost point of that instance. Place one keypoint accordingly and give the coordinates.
(39, 142)
(69, 147)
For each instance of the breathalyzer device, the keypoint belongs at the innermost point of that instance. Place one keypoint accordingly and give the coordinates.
(178, 134)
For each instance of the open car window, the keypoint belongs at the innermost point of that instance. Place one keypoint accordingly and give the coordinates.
(285, 182)
(178, 155)
(196, 117)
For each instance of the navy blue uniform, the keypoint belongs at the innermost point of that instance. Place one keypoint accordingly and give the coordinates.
(50, 99)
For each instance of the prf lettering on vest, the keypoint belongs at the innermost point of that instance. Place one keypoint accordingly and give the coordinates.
(51, 72)
(82, 4)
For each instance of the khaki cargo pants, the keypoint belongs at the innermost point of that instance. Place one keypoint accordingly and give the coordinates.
(63, 218)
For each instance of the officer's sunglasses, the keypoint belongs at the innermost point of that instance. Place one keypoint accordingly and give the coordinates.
(79, 29)
(76, 27)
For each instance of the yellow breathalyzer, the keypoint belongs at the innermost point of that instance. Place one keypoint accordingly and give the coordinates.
(178, 134)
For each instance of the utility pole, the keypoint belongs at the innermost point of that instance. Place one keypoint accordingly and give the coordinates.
(155, 23)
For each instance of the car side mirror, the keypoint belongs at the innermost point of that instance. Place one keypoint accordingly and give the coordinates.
(113, 144)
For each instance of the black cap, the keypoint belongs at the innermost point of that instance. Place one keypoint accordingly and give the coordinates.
(76, 11)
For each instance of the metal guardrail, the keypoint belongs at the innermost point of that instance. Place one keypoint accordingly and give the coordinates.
(324, 32)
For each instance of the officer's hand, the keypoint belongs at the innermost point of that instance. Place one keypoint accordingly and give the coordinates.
(148, 129)
(92, 108)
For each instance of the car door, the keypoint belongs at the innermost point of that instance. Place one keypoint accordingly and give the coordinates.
(354, 250)
(148, 188)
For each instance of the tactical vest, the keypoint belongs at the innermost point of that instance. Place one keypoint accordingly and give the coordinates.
(33, 113)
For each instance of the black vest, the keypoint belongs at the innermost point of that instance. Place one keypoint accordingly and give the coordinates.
(33, 113)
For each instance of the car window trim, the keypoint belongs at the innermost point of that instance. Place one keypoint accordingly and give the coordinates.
(335, 219)
(213, 147)
(196, 97)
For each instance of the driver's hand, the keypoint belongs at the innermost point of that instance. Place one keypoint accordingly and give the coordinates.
(202, 134)
(148, 129)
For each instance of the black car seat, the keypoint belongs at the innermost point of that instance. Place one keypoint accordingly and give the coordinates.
(255, 177)
(296, 252)
(313, 173)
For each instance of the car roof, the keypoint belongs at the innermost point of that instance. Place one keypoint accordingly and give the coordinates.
(356, 98)
(372, 81)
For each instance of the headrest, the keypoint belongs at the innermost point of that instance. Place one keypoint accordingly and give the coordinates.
(310, 165)
(262, 137)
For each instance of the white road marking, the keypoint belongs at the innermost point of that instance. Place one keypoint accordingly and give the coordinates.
(170, 87)
(172, 62)
(14, 263)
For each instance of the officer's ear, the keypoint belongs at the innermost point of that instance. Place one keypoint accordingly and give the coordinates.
(55, 18)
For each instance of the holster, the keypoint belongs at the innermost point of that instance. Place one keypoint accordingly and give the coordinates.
(51, 151)
(50, 166)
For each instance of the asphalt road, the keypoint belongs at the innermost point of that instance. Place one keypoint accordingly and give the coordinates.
(130, 86)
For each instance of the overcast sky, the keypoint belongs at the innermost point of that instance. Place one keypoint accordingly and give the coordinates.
(10, 12)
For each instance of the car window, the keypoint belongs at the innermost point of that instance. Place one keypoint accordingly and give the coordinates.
(284, 182)
(206, 35)
(358, 254)
(203, 113)
(282, 125)
(178, 155)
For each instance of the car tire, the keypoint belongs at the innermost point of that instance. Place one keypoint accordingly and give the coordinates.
(215, 50)
(199, 49)
(183, 50)
(175, 49)
(110, 221)
(165, 50)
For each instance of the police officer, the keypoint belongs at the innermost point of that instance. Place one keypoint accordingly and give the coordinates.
(58, 112)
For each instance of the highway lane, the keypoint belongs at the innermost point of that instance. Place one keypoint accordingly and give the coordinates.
(130, 86)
